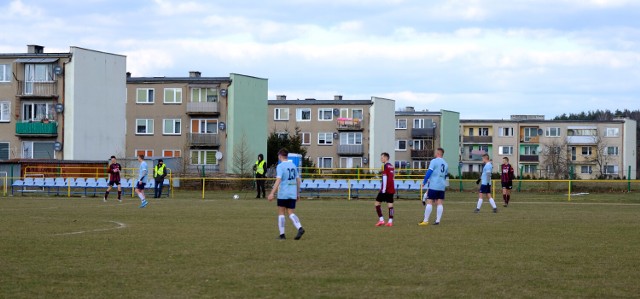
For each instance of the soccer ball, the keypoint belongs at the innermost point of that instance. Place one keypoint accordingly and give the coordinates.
(236, 196)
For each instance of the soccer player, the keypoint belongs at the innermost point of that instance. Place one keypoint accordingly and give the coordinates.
(288, 186)
(141, 177)
(387, 190)
(506, 177)
(114, 178)
(485, 184)
(437, 177)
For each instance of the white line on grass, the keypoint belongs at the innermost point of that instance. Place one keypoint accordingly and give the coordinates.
(120, 225)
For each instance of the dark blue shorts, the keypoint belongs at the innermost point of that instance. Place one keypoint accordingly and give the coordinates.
(485, 189)
(435, 194)
(139, 185)
(114, 183)
(287, 203)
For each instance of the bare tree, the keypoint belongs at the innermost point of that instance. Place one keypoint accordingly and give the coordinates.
(601, 157)
(555, 158)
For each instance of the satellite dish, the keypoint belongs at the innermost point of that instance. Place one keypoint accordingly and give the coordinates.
(335, 135)
(540, 132)
(57, 146)
(218, 156)
(222, 126)
(365, 160)
(336, 111)
(223, 92)
(57, 70)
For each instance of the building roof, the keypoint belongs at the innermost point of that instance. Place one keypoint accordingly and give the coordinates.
(307, 102)
(418, 113)
(197, 80)
(531, 121)
(34, 55)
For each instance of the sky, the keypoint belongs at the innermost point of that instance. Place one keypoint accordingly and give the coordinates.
(487, 59)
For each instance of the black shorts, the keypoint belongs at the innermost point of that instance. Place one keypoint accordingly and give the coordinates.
(435, 194)
(114, 183)
(485, 189)
(140, 185)
(386, 197)
(507, 185)
(287, 203)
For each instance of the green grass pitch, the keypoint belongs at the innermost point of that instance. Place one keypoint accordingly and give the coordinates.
(185, 247)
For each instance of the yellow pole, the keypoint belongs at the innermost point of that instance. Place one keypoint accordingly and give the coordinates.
(68, 188)
(202, 188)
(349, 189)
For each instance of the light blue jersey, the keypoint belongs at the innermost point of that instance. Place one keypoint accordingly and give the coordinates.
(437, 174)
(143, 171)
(486, 173)
(287, 172)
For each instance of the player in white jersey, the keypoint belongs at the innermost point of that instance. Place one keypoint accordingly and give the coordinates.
(436, 180)
(485, 184)
(288, 186)
(142, 176)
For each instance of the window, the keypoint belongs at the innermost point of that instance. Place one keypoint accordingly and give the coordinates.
(552, 132)
(352, 138)
(344, 112)
(325, 162)
(204, 126)
(203, 157)
(483, 131)
(612, 132)
(4, 150)
(145, 95)
(611, 169)
(585, 169)
(204, 95)
(350, 162)
(5, 73)
(173, 95)
(171, 153)
(529, 133)
(401, 164)
(470, 131)
(172, 126)
(38, 73)
(357, 114)
(573, 153)
(586, 151)
(303, 114)
(529, 168)
(505, 132)
(5, 111)
(582, 132)
(145, 152)
(305, 138)
(420, 165)
(325, 114)
(281, 114)
(325, 138)
(401, 145)
(418, 144)
(282, 135)
(37, 150)
(418, 123)
(144, 126)
(530, 150)
(401, 124)
(612, 150)
(37, 111)
(505, 150)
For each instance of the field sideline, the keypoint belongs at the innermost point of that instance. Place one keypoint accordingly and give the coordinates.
(186, 247)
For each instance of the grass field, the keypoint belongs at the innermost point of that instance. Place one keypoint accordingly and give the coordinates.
(186, 247)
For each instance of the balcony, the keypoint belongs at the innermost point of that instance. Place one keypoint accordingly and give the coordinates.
(529, 158)
(203, 108)
(477, 139)
(581, 139)
(351, 149)
(349, 124)
(423, 133)
(203, 140)
(530, 139)
(37, 129)
(421, 154)
(37, 89)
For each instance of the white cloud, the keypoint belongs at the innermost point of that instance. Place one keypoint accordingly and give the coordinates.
(170, 8)
(18, 9)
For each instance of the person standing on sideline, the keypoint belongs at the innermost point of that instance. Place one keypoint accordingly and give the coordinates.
(436, 177)
(114, 178)
(142, 174)
(260, 168)
(159, 173)
(485, 184)
(288, 186)
(506, 177)
(387, 190)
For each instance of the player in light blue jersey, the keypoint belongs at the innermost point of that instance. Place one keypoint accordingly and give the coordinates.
(288, 186)
(142, 176)
(485, 184)
(436, 180)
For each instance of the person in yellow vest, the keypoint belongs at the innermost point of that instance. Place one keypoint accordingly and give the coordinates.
(260, 168)
(159, 172)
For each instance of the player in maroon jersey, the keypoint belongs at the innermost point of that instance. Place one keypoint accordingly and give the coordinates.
(114, 178)
(387, 190)
(506, 177)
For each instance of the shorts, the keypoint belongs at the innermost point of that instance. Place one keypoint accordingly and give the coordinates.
(386, 197)
(485, 189)
(435, 194)
(114, 183)
(287, 203)
(140, 185)
(507, 185)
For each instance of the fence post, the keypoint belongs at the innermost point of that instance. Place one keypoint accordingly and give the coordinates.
(629, 179)
(520, 181)
(349, 188)
(203, 187)
(569, 194)
(459, 176)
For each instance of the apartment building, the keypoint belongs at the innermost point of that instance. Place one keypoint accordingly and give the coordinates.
(203, 120)
(419, 133)
(548, 148)
(57, 105)
(338, 133)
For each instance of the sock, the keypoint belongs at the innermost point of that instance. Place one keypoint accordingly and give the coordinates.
(508, 198)
(141, 197)
(281, 224)
(439, 211)
(119, 194)
(295, 220)
(504, 197)
(391, 211)
(493, 203)
(479, 203)
(379, 211)
(106, 194)
(427, 212)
